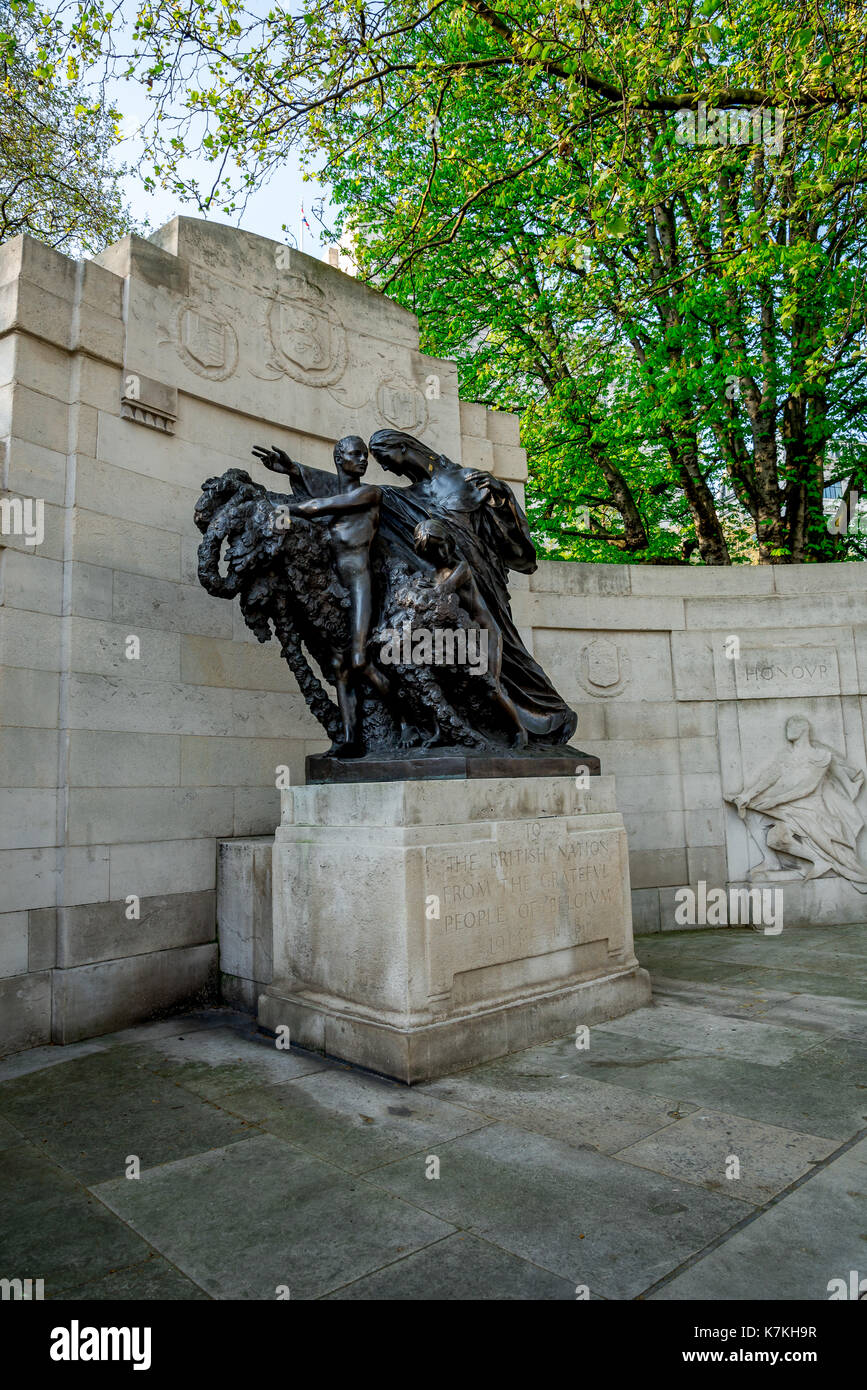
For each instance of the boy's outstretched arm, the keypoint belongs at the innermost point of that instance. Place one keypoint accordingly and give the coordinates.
(357, 501)
(276, 459)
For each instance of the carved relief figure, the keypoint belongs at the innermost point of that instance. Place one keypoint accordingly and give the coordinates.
(804, 802)
(207, 343)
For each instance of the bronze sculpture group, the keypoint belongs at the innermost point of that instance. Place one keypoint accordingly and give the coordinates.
(339, 564)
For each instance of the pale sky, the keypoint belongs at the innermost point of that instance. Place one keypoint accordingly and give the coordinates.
(277, 202)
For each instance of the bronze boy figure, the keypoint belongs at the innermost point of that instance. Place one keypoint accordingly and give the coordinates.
(352, 516)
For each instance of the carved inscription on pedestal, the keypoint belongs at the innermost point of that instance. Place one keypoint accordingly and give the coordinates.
(531, 891)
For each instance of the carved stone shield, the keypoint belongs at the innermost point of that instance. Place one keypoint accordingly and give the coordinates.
(308, 340)
(207, 342)
(402, 405)
(603, 667)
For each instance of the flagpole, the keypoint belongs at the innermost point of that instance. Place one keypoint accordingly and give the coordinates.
(301, 229)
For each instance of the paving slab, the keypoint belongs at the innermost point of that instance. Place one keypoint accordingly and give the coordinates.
(822, 1015)
(91, 1114)
(10, 1137)
(703, 969)
(729, 1000)
(213, 1062)
(782, 953)
(578, 1213)
(700, 1033)
(842, 931)
(604, 1053)
(700, 1149)
(824, 1098)
(699, 940)
(850, 986)
(151, 1280)
(355, 1121)
(828, 1092)
(461, 1267)
(566, 1105)
(53, 1229)
(794, 1249)
(176, 1025)
(249, 1220)
(38, 1058)
(808, 1012)
(710, 942)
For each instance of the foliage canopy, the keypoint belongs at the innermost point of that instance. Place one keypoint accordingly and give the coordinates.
(641, 224)
(58, 180)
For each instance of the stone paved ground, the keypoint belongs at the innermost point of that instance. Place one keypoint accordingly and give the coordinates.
(557, 1167)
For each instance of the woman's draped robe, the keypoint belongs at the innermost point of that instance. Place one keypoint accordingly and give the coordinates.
(493, 537)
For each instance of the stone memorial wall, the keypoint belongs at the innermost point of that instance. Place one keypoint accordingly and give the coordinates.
(141, 725)
(685, 679)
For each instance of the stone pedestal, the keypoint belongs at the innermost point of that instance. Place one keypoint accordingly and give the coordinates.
(420, 927)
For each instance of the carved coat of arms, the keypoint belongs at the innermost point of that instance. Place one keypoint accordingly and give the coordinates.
(207, 342)
(603, 668)
(402, 405)
(307, 338)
